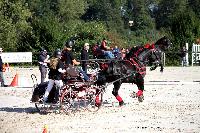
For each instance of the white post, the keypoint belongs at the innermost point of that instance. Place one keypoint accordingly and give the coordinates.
(192, 54)
(187, 60)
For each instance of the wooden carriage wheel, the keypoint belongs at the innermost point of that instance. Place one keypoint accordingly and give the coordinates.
(91, 104)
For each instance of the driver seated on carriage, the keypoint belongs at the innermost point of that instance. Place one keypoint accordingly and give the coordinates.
(70, 62)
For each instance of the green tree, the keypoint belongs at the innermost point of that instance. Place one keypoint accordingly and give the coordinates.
(180, 22)
(166, 10)
(109, 13)
(14, 24)
(195, 5)
(139, 13)
(71, 10)
(90, 32)
(54, 21)
(143, 28)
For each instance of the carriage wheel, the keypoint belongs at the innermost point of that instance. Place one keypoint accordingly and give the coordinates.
(66, 105)
(91, 104)
(66, 102)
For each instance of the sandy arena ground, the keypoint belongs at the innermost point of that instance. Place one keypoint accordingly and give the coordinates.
(170, 106)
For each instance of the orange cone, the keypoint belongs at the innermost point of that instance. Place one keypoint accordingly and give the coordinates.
(4, 67)
(7, 67)
(15, 81)
(45, 129)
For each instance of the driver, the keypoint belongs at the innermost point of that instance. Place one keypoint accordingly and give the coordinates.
(68, 58)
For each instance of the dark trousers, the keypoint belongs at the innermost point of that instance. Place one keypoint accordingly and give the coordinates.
(84, 67)
(84, 74)
(43, 71)
(1, 79)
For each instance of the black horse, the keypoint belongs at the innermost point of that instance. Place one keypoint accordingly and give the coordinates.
(132, 68)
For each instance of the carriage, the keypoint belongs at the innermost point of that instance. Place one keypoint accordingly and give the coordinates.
(76, 93)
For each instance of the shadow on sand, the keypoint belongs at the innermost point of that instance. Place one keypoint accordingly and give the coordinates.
(30, 110)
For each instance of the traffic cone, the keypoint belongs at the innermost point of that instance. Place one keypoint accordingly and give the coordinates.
(4, 67)
(7, 67)
(14, 81)
(45, 129)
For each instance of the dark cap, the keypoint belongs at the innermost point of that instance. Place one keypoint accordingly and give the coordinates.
(69, 44)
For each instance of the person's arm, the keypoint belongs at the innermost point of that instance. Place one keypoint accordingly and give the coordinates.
(41, 60)
(61, 67)
(47, 59)
(75, 62)
(63, 56)
(105, 46)
(82, 55)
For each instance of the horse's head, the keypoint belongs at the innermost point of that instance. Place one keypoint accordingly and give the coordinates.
(163, 43)
(155, 58)
(150, 54)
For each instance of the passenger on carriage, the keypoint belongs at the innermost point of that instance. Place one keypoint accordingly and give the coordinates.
(116, 51)
(105, 49)
(69, 59)
(96, 50)
(56, 68)
(85, 56)
(123, 53)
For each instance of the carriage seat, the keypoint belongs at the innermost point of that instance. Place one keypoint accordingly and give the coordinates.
(72, 74)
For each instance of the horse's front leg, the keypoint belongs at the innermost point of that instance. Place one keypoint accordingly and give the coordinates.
(153, 67)
(115, 92)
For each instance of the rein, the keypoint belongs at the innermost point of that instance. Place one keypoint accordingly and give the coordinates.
(124, 77)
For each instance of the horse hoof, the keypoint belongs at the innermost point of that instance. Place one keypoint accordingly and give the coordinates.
(98, 105)
(141, 98)
(121, 103)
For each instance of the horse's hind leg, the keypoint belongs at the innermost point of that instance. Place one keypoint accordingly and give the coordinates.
(140, 84)
(115, 92)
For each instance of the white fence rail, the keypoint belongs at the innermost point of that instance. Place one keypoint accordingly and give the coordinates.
(16, 57)
(195, 54)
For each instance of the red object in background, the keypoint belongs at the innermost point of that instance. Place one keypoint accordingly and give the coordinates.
(14, 81)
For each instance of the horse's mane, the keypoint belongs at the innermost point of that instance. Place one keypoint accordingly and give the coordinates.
(163, 43)
(161, 40)
(133, 50)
